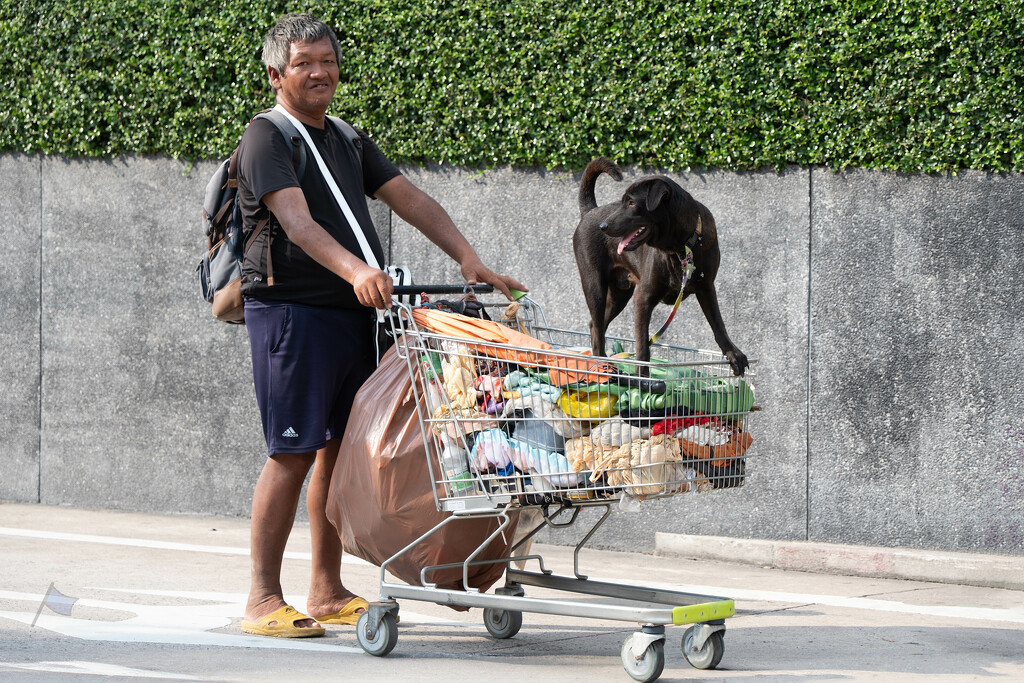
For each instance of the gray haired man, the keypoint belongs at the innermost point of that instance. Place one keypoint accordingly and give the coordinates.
(310, 325)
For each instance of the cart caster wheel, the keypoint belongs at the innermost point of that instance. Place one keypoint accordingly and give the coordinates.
(709, 656)
(383, 640)
(649, 666)
(502, 623)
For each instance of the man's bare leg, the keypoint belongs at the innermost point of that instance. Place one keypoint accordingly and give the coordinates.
(274, 502)
(327, 594)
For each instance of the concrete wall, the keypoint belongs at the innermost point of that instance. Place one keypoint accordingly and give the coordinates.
(884, 310)
(917, 330)
(20, 199)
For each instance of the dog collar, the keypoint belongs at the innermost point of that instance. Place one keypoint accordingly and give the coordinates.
(696, 237)
(687, 263)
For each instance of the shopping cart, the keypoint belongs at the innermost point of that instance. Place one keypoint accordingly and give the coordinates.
(517, 416)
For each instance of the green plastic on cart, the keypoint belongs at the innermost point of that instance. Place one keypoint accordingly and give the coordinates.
(705, 611)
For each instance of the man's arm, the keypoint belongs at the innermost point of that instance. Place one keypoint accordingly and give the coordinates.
(373, 287)
(420, 210)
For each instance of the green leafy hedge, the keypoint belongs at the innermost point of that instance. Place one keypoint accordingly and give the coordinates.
(909, 85)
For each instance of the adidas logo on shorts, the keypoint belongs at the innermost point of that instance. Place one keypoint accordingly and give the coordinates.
(290, 433)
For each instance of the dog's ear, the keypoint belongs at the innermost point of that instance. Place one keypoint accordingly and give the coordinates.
(658, 193)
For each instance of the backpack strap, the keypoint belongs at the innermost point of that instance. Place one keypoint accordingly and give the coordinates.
(252, 238)
(349, 133)
(291, 134)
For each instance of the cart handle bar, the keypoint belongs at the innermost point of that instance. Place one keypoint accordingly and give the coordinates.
(442, 289)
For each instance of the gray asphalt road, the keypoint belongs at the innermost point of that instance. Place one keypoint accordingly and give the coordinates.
(161, 597)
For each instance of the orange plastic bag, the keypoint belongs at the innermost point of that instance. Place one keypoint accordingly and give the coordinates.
(565, 367)
(381, 497)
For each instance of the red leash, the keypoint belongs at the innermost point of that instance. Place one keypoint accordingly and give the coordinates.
(687, 263)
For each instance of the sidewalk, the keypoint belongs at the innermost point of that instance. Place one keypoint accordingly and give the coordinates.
(162, 597)
(968, 569)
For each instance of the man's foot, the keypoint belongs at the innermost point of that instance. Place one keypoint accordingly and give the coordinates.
(346, 611)
(257, 610)
(285, 622)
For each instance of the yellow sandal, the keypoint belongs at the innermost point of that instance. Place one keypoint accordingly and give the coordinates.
(281, 624)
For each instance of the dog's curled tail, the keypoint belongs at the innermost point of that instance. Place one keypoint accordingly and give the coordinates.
(595, 168)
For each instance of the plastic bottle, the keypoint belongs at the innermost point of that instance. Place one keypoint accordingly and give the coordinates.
(455, 462)
(432, 388)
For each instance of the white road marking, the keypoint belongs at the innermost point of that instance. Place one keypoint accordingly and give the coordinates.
(159, 545)
(80, 668)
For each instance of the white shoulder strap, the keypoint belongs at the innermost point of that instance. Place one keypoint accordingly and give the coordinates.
(335, 190)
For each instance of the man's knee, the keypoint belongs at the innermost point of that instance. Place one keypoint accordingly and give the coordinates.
(293, 465)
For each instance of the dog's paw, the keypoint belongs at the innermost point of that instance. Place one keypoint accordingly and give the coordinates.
(738, 361)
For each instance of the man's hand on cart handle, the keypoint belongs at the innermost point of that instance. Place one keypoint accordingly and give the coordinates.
(373, 287)
(475, 271)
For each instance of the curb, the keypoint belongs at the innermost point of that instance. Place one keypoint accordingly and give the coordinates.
(969, 569)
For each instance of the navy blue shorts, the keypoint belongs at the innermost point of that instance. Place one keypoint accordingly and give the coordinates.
(307, 365)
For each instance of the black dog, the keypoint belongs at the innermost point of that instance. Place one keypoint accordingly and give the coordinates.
(634, 248)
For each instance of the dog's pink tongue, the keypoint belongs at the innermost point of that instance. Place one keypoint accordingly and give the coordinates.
(626, 240)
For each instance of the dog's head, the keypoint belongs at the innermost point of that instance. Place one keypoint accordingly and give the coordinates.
(641, 215)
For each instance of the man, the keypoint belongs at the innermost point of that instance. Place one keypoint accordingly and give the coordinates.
(311, 326)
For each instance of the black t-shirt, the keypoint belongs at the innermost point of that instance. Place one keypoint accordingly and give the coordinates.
(265, 164)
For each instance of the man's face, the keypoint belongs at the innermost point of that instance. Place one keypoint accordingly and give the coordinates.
(310, 79)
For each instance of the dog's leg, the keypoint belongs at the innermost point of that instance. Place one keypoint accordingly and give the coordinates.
(591, 262)
(643, 306)
(595, 291)
(597, 337)
(708, 300)
(603, 310)
(616, 302)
